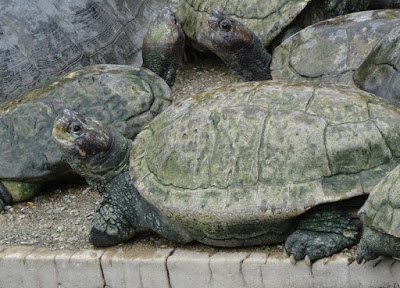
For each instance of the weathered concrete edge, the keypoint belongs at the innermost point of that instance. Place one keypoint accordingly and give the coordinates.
(23, 266)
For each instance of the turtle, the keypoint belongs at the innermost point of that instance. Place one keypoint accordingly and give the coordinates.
(266, 18)
(333, 49)
(122, 96)
(40, 40)
(243, 164)
(238, 47)
(381, 217)
(379, 73)
(126, 97)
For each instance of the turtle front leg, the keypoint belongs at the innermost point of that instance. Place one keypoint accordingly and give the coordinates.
(322, 233)
(374, 244)
(110, 227)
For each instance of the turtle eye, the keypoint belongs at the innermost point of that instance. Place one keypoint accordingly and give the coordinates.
(225, 25)
(76, 128)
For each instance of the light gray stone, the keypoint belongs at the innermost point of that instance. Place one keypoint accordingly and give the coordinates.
(12, 267)
(136, 267)
(226, 270)
(251, 270)
(79, 269)
(189, 268)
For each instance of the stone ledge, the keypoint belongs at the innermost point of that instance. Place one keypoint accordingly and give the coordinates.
(22, 266)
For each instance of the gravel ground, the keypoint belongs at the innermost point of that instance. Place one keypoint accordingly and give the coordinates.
(60, 216)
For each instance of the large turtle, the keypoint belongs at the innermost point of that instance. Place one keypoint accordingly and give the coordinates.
(266, 18)
(40, 40)
(379, 73)
(381, 217)
(240, 165)
(332, 49)
(124, 97)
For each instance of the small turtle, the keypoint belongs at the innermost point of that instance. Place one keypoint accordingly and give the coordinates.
(163, 46)
(330, 51)
(238, 47)
(379, 73)
(40, 40)
(124, 97)
(381, 217)
(240, 165)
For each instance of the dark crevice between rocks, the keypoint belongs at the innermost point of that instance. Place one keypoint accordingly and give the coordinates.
(241, 268)
(166, 268)
(102, 271)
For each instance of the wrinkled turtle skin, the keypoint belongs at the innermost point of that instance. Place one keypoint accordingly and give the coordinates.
(379, 73)
(330, 51)
(124, 97)
(238, 47)
(40, 40)
(241, 165)
(163, 46)
(381, 217)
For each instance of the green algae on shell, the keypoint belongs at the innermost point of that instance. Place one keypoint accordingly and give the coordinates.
(330, 51)
(124, 97)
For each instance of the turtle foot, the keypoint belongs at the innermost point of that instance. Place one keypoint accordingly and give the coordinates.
(321, 234)
(110, 227)
(312, 245)
(100, 238)
(374, 244)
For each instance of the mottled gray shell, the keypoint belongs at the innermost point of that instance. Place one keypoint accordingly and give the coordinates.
(124, 97)
(39, 40)
(265, 18)
(330, 51)
(264, 150)
(382, 209)
(380, 72)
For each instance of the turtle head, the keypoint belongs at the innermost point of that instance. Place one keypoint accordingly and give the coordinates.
(226, 34)
(94, 151)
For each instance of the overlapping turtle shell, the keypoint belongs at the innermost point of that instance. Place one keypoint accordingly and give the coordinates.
(124, 97)
(330, 51)
(379, 73)
(265, 18)
(382, 209)
(40, 40)
(260, 151)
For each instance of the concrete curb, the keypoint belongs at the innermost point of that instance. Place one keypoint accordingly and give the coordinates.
(22, 266)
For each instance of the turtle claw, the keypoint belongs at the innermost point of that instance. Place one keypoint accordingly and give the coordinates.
(308, 261)
(285, 253)
(292, 260)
